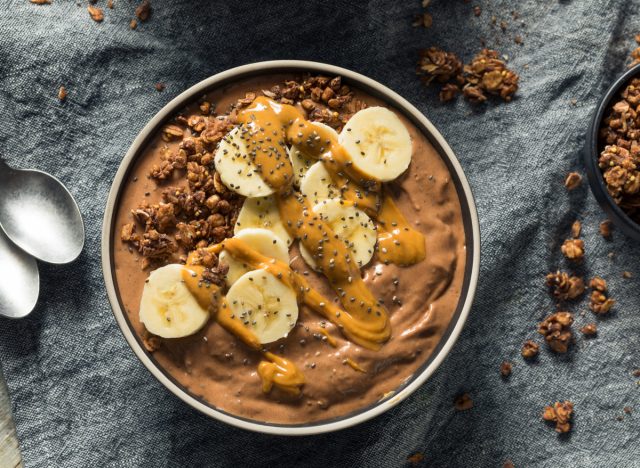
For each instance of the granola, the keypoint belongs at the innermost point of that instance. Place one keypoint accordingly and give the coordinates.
(572, 181)
(560, 413)
(599, 303)
(530, 349)
(463, 402)
(505, 369)
(590, 329)
(565, 287)
(488, 74)
(96, 13)
(556, 330)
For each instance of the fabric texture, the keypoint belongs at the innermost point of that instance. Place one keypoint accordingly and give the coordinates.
(80, 396)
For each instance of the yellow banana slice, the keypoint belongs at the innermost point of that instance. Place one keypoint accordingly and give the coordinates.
(264, 304)
(351, 225)
(302, 163)
(262, 240)
(262, 213)
(317, 184)
(167, 308)
(235, 167)
(378, 143)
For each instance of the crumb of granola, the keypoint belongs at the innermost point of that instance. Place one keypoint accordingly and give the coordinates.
(160, 87)
(573, 249)
(518, 39)
(506, 368)
(591, 329)
(151, 342)
(530, 349)
(560, 413)
(605, 229)
(449, 92)
(143, 11)
(488, 74)
(415, 458)
(110, 4)
(463, 402)
(565, 287)
(627, 409)
(556, 330)
(627, 274)
(133, 24)
(508, 464)
(437, 64)
(599, 303)
(598, 284)
(576, 228)
(62, 94)
(636, 373)
(572, 181)
(477, 10)
(96, 13)
(41, 2)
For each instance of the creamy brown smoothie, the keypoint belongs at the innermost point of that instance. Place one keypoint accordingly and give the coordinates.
(340, 377)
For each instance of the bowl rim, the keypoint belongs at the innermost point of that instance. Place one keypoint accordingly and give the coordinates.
(591, 156)
(446, 153)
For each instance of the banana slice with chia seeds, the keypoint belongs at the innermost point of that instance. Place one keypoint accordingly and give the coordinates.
(167, 308)
(378, 143)
(264, 304)
(317, 184)
(302, 163)
(263, 241)
(351, 225)
(262, 213)
(237, 170)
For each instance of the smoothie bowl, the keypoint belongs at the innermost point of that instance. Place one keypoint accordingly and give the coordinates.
(290, 247)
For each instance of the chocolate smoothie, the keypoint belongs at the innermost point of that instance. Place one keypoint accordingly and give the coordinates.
(341, 377)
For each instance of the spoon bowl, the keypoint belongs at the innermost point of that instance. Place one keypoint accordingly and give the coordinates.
(39, 215)
(19, 280)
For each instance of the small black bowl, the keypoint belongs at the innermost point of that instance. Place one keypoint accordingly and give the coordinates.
(591, 155)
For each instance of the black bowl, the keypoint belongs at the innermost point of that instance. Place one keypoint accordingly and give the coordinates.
(591, 154)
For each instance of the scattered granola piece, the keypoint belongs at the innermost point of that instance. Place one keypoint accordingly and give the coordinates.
(160, 87)
(530, 349)
(144, 11)
(437, 64)
(605, 229)
(590, 329)
(415, 458)
(518, 39)
(561, 414)
(576, 228)
(41, 2)
(636, 373)
(96, 13)
(573, 249)
(627, 274)
(463, 402)
(171, 132)
(449, 92)
(598, 284)
(572, 181)
(556, 330)
(110, 4)
(508, 464)
(565, 287)
(599, 303)
(477, 10)
(627, 409)
(62, 94)
(505, 368)
(133, 24)
(151, 342)
(488, 74)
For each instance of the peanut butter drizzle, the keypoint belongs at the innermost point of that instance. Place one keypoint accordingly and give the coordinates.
(354, 365)
(398, 242)
(274, 370)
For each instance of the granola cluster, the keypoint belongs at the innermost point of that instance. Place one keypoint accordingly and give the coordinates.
(599, 302)
(620, 156)
(560, 413)
(565, 287)
(485, 75)
(556, 330)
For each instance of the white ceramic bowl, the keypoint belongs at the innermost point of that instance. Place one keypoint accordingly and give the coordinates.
(472, 234)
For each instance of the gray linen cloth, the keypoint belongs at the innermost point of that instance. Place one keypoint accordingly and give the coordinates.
(81, 398)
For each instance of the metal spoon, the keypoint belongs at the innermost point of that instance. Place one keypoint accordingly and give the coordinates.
(39, 215)
(19, 280)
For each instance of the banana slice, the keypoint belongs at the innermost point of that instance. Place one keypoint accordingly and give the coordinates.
(302, 163)
(317, 184)
(262, 240)
(378, 143)
(167, 308)
(262, 213)
(235, 167)
(351, 225)
(265, 305)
